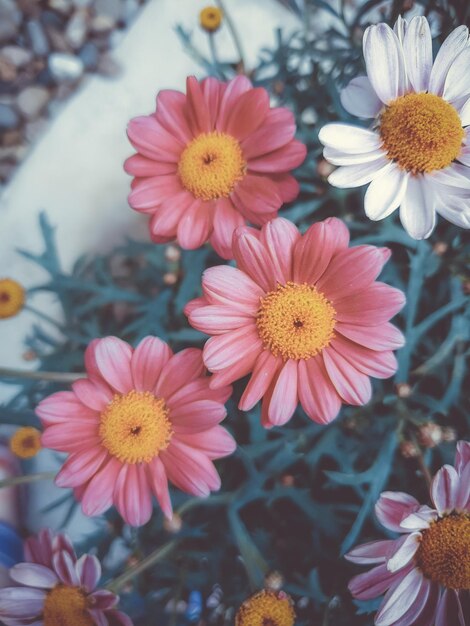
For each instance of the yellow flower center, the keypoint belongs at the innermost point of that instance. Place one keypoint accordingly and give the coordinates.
(11, 298)
(66, 606)
(211, 165)
(421, 132)
(210, 18)
(295, 321)
(444, 552)
(26, 442)
(266, 608)
(135, 427)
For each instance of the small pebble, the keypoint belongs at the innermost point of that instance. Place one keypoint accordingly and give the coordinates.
(7, 70)
(37, 37)
(33, 130)
(110, 8)
(65, 67)
(89, 55)
(76, 31)
(32, 101)
(9, 118)
(102, 23)
(16, 55)
(10, 19)
(62, 6)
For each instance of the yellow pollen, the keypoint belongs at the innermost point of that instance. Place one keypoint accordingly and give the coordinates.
(11, 298)
(211, 165)
(444, 552)
(421, 132)
(26, 442)
(266, 608)
(66, 606)
(210, 18)
(135, 427)
(295, 321)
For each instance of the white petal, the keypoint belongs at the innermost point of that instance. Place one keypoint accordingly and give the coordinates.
(336, 157)
(405, 552)
(400, 599)
(465, 113)
(360, 99)
(385, 193)
(459, 218)
(371, 552)
(400, 27)
(420, 519)
(384, 62)
(456, 175)
(458, 77)
(445, 488)
(452, 46)
(357, 175)
(349, 139)
(464, 156)
(417, 212)
(418, 53)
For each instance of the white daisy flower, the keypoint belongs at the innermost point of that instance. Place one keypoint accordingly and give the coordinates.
(416, 154)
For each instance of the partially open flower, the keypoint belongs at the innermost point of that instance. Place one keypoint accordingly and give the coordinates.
(26, 442)
(266, 608)
(12, 297)
(210, 18)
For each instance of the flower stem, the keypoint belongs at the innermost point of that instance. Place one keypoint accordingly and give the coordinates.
(29, 478)
(235, 37)
(56, 377)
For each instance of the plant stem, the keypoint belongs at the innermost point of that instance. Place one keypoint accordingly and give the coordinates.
(233, 32)
(215, 59)
(29, 478)
(56, 377)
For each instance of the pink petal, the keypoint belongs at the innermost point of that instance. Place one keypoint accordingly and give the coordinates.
(265, 368)
(405, 552)
(64, 566)
(449, 611)
(370, 362)
(71, 436)
(194, 304)
(93, 394)
(98, 495)
(113, 357)
(284, 159)
(153, 141)
(253, 259)
(80, 467)
(212, 90)
(372, 307)
(400, 599)
(248, 113)
(38, 549)
(147, 362)
(352, 270)
(383, 337)
(142, 167)
(181, 369)
(418, 608)
(285, 398)
(165, 219)
(190, 470)
(233, 91)
(197, 111)
(217, 320)
(64, 406)
(373, 583)
(353, 386)
(132, 495)
(258, 194)
(462, 502)
(195, 225)
(444, 489)
(371, 552)
(277, 130)
(428, 612)
(215, 443)
(228, 285)
(233, 372)
(88, 570)
(317, 395)
(222, 351)
(462, 455)
(33, 575)
(196, 416)
(279, 238)
(103, 600)
(151, 192)
(171, 114)
(22, 603)
(420, 519)
(287, 185)
(226, 220)
(392, 507)
(158, 481)
(315, 249)
(198, 390)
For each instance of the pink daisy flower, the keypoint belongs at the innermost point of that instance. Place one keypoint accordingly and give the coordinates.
(304, 315)
(426, 572)
(210, 160)
(54, 587)
(141, 417)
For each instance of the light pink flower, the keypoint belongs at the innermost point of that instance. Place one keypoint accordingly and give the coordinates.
(210, 160)
(425, 574)
(301, 313)
(141, 417)
(54, 587)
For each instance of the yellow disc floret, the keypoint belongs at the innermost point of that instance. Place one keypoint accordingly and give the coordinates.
(135, 427)
(26, 442)
(421, 132)
(444, 552)
(266, 608)
(210, 18)
(295, 321)
(66, 606)
(11, 297)
(211, 165)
